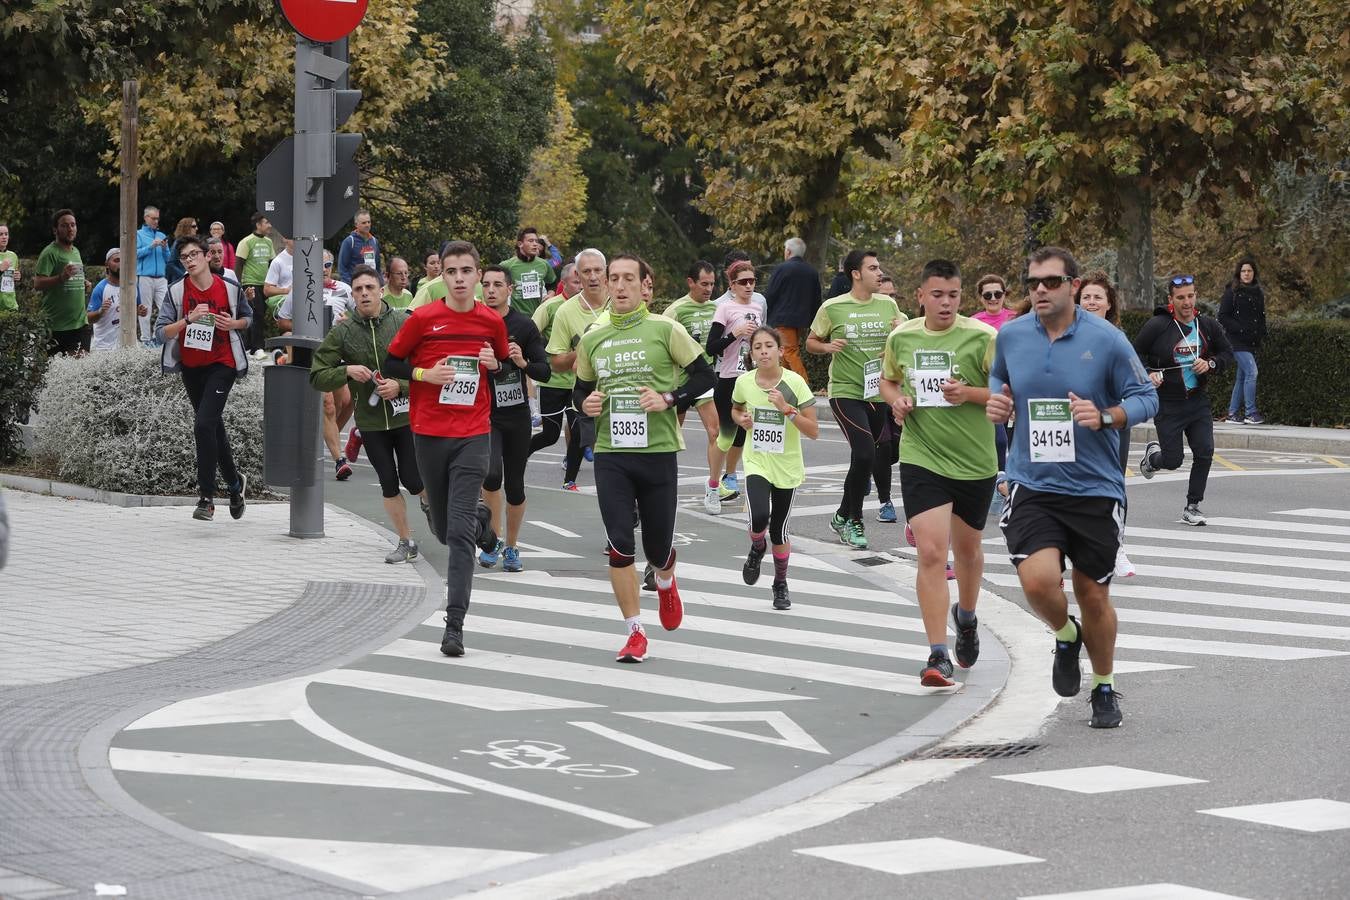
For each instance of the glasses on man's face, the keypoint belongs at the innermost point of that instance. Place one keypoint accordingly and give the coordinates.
(1050, 282)
(328, 265)
(744, 281)
(190, 256)
(992, 295)
(1180, 280)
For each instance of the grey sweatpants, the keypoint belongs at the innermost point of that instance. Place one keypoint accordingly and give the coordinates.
(453, 470)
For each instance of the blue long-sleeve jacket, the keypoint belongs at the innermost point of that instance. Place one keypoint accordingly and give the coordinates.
(150, 261)
(351, 254)
(1094, 361)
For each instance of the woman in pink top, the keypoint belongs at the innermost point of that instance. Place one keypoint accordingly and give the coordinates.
(728, 343)
(992, 291)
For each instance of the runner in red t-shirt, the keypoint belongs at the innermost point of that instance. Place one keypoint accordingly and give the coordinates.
(446, 348)
(201, 338)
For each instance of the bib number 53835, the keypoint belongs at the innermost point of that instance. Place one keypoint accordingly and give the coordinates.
(1050, 430)
(463, 390)
(627, 423)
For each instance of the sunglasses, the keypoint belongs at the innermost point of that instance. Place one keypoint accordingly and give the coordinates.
(744, 281)
(1179, 280)
(1049, 281)
(992, 295)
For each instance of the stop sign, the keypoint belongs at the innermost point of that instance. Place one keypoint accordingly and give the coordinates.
(324, 21)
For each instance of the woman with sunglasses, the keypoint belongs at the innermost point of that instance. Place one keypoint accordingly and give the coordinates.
(728, 343)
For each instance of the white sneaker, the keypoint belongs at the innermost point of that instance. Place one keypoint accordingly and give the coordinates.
(712, 503)
(1191, 515)
(1124, 568)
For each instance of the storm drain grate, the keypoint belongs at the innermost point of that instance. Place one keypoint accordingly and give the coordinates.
(983, 751)
(873, 561)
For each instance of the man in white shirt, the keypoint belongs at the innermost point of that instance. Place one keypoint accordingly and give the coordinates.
(277, 286)
(104, 310)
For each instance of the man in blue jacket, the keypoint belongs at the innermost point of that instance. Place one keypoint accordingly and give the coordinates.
(1073, 380)
(152, 256)
(360, 248)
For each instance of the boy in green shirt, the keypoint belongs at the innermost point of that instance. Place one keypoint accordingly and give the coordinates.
(251, 258)
(532, 276)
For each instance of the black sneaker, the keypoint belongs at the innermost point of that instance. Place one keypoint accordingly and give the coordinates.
(206, 510)
(750, 571)
(967, 641)
(342, 470)
(452, 644)
(487, 538)
(938, 672)
(649, 578)
(1066, 676)
(781, 600)
(1105, 707)
(237, 498)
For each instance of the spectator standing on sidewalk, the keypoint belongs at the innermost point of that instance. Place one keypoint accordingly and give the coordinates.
(60, 277)
(252, 257)
(152, 259)
(174, 270)
(217, 231)
(105, 304)
(9, 272)
(1180, 350)
(1242, 313)
(360, 248)
(793, 296)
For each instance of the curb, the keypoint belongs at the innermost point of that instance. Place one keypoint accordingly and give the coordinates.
(49, 488)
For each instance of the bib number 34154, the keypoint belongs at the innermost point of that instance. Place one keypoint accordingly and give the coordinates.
(627, 423)
(1050, 430)
(463, 390)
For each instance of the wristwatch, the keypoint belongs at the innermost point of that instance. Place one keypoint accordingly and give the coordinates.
(669, 398)
(1108, 421)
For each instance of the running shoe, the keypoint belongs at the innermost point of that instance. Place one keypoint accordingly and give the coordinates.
(938, 672)
(452, 642)
(951, 573)
(841, 527)
(887, 513)
(405, 551)
(857, 540)
(205, 511)
(672, 610)
(352, 451)
(1232, 419)
(588, 454)
(1192, 515)
(342, 469)
(237, 498)
(729, 488)
(649, 578)
(489, 558)
(712, 503)
(511, 560)
(487, 538)
(750, 571)
(536, 420)
(1105, 707)
(967, 641)
(909, 536)
(571, 486)
(1254, 419)
(1124, 568)
(1146, 467)
(635, 651)
(1066, 676)
(259, 355)
(781, 600)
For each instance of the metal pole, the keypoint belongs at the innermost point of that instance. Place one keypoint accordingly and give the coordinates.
(127, 238)
(307, 279)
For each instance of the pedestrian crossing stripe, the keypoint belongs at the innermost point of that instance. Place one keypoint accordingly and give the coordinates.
(162, 762)
(790, 735)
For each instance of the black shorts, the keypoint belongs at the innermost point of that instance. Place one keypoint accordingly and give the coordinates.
(923, 489)
(1085, 529)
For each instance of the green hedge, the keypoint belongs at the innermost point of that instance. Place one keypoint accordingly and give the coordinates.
(23, 365)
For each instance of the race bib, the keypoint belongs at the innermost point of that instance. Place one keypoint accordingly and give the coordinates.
(463, 390)
(369, 257)
(627, 423)
(931, 369)
(740, 360)
(7, 281)
(531, 286)
(200, 335)
(78, 277)
(1050, 431)
(871, 378)
(509, 388)
(400, 405)
(768, 431)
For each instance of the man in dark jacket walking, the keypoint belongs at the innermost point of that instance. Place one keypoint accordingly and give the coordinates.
(1180, 349)
(1242, 313)
(793, 296)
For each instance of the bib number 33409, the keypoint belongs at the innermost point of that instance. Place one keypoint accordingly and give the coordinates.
(463, 390)
(627, 423)
(1050, 430)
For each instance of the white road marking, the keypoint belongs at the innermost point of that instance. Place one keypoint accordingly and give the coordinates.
(252, 768)
(790, 735)
(917, 855)
(556, 529)
(717, 575)
(1312, 815)
(1218, 576)
(460, 693)
(1159, 891)
(613, 677)
(637, 743)
(1220, 648)
(1100, 779)
(1229, 539)
(1275, 525)
(1227, 623)
(264, 703)
(536, 552)
(1316, 513)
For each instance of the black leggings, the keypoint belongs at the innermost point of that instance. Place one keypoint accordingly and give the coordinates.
(554, 403)
(651, 481)
(509, 454)
(861, 422)
(887, 455)
(208, 387)
(393, 455)
(769, 508)
(726, 425)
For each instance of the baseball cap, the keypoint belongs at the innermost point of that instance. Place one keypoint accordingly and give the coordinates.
(115, 251)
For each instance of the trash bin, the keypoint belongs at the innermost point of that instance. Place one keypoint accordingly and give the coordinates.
(290, 426)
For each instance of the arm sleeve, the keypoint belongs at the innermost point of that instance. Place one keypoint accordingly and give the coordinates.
(700, 378)
(168, 312)
(998, 369)
(891, 367)
(142, 247)
(327, 371)
(243, 311)
(1221, 349)
(820, 325)
(1226, 312)
(534, 351)
(46, 264)
(1143, 340)
(345, 260)
(398, 360)
(580, 391)
(718, 340)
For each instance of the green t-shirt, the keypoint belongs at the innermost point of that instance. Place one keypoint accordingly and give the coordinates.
(696, 319)
(620, 360)
(63, 304)
(436, 289)
(864, 325)
(570, 321)
(401, 300)
(773, 448)
(953, 441)
(532, 281)
(9, 295)
(253, 255)
(543, 320)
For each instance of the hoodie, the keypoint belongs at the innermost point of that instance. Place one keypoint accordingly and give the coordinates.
(1162, 345)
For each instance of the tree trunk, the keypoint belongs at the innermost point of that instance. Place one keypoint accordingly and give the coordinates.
(819, 195)
(1134, 254)
(127, 240)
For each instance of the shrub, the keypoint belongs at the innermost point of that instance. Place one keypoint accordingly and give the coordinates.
(112, 421)
(23, 362)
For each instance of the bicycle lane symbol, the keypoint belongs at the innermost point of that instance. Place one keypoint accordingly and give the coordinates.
(512, 753)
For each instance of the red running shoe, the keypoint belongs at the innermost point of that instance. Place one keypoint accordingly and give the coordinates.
(672, 610)
(635, 651)
(353, 449)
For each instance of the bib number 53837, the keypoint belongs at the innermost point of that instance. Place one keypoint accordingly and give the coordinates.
(1050, 430)
(627, 423)
(463, 390)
